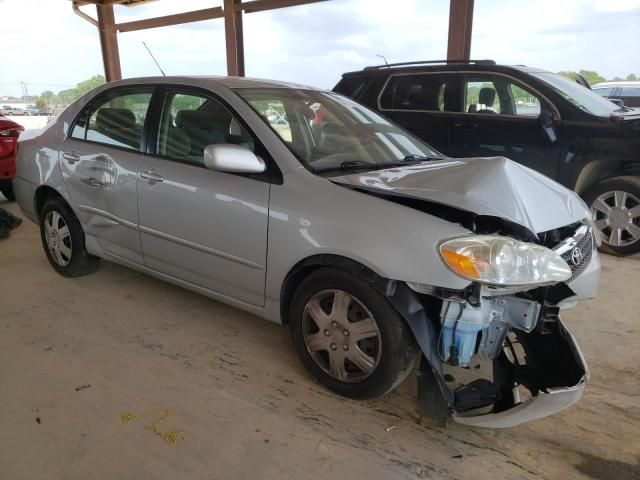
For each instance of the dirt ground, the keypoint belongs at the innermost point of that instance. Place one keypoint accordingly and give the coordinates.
(76, 354)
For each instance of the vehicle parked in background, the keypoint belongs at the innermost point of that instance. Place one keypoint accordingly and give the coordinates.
(306, 208)
(38, 112)
(9, 132)
(13, 111)
(627, 91)
(537, 118)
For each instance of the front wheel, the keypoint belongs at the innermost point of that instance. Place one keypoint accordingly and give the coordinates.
(615, 210)
(63, 240)
(349, 336)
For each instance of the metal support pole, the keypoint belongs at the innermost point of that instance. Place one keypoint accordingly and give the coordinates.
(109, 42)
(460, 24)
(234, 38)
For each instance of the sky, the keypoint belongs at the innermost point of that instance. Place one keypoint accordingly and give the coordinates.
(48, 47)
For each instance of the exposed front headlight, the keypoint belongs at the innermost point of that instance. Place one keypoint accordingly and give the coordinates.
(503, 261)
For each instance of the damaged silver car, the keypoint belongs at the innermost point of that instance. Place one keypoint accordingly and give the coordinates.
(308, 209)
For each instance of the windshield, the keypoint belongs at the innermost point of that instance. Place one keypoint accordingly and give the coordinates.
(581, 97)
(329, 132)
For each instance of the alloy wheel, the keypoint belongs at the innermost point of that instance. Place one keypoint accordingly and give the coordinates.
(341, 335)
(616, 215)
(58, 238)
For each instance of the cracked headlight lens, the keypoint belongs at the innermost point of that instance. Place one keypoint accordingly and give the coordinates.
(503, 261)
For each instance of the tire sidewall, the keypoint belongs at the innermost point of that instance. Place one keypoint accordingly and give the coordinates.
(397, 342)
(78, 251)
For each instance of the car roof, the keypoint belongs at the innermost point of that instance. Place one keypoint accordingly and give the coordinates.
(443, 66)
(207, 80)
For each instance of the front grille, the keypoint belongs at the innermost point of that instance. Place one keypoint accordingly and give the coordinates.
(577, 251)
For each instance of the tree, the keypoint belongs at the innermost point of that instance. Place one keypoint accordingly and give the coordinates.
(592, 77)
(90, 84)
(632, 77)
(65, 97)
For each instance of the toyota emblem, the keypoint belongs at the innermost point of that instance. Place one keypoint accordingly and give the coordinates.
(576, 256)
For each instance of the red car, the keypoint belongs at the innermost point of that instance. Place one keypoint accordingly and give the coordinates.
(9, 132)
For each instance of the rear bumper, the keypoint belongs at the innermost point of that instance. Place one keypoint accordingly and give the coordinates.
(546, 403)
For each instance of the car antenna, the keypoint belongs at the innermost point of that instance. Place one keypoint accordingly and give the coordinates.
(383, 57)
(154, 59)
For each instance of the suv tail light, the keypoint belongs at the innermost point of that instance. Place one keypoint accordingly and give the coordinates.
(9, 139)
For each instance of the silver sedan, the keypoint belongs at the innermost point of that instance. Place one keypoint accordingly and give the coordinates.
(306, 208)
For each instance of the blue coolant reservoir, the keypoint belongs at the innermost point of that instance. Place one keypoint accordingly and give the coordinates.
(461, 324)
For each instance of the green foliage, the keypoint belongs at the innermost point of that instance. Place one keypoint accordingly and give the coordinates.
(90, 84)
(632, 77)
(592, 77)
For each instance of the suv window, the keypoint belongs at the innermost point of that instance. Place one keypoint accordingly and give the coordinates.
(630, 92)
(415, 92)
(116, 118)
(191, 121)
(352, 86)
(497, 95)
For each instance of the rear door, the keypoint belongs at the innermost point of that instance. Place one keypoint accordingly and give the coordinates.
(200, 226)
(422, 104)
(99, 160)
(500, 116)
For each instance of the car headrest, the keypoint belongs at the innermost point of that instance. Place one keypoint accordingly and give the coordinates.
(115, 118)
(207, 121)
(487, 96)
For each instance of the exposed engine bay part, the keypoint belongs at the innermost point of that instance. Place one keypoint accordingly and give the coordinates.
(463, 323)
(551, 369)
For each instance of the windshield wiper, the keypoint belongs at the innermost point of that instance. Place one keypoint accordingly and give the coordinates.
(413, 157)
(351, 165)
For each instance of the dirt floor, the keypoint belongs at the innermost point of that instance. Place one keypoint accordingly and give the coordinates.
(76, 354)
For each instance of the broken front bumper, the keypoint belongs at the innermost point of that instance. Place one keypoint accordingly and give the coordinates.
(548, 400)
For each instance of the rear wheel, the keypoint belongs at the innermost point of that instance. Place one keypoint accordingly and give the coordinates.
(349, 336)
(63, 240)
(615, 209)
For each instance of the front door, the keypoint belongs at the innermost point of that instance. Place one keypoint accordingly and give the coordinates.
(100, 159)
(501, 117)
(203, 227)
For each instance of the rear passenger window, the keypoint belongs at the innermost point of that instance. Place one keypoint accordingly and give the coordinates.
(481, 97)
(116, 119)
(191, 122)
(415, 92)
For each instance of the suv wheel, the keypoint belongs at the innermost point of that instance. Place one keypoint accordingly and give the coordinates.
(349, 336)
(615, 209)
(63, 240)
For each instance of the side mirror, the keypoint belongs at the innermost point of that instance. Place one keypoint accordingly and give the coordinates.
(618, 101)
(227, 157)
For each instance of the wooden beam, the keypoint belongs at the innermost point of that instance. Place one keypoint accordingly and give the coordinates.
(109, 43)
(234, 38)
(178, 18)
(252, 6)
(460, 25)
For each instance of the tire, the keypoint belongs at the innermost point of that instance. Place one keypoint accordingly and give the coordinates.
(615, 209)
(7, 191)
(372, 333)
(63, 240)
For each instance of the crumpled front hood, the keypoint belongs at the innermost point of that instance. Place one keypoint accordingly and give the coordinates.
(486, 186)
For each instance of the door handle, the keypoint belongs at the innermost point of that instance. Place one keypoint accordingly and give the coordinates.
(151, 177)
(466, 124)
(94, 182)
(71, 157)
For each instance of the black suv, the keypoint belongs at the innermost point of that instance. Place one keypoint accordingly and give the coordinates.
(535, 117)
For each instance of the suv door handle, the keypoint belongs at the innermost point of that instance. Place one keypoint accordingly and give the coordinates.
(151, 177)
(71, 157)
(466, 124)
